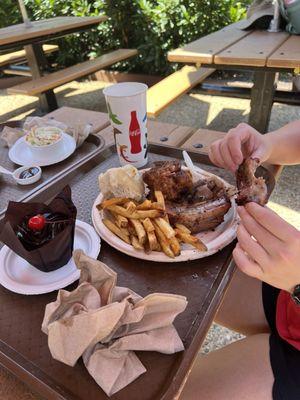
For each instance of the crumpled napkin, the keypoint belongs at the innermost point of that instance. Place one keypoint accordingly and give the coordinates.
(79, 132)
(105, 324)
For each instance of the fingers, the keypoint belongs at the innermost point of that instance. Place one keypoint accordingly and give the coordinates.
(228, 152)
(265, 238)
(245, 264)
(252, 248)
(235, 141)
(220, 154)
(215, 155)
(271, 221)
(226, 156)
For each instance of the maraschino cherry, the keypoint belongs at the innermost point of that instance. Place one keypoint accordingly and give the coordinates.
(37, 222)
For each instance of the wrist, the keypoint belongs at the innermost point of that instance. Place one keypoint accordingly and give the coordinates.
(269, 140)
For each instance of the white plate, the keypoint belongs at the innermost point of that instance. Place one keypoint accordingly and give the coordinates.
(215, 240)
(21, 154)
(17, 275)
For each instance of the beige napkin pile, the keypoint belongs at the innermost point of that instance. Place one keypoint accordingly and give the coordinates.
(79, 132)
(105, 324)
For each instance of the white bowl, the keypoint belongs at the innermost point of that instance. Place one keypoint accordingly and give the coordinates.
(47, 149)
(27, 181)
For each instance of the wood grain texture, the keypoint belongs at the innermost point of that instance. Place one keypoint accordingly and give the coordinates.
(252, 50)
(51, 81)
(76, 116)
(201, 140)
(158, 133)
(166, 91)
(20, 55)
(16, 33)
(287, 55)
(203, 50)
(175, 135)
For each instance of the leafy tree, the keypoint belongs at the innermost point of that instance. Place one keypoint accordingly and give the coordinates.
(152, 26)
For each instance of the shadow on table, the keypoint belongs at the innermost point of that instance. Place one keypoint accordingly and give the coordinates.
(228, 118)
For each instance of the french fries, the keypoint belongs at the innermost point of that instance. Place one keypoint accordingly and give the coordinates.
(193, 240)
(111, 202)
(175, 246)
(160, 199)
(139, 214)
(165, 227)
(116, 230)
(130, 207)
(146, 205)
(146, 226)
(161, 202)
(135, 243)
(183, 228)
(140, 231)
(163, 241)
(121, 222)
(153, 243)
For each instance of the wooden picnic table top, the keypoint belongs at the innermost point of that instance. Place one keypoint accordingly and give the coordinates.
(205, 288)
(236, 47)
(18, 34)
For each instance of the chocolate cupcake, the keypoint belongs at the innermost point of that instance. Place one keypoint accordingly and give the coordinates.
(41, 234)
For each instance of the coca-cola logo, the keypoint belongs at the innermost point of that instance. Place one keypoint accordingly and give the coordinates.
(136, 132)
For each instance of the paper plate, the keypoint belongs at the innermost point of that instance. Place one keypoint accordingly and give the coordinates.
(17, 275)
(214, 240)
(21, 154)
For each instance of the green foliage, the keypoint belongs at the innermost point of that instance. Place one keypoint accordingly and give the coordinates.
(152, 26)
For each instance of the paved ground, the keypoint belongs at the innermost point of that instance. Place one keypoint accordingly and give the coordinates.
(192, 110)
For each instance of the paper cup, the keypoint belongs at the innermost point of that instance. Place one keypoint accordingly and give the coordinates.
(126, 104)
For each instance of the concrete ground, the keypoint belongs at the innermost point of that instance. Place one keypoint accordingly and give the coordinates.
(195, 110)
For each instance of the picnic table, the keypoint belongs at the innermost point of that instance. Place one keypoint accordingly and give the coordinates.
(23, 347)
(43, 82)
(262, 52)
(39, 32)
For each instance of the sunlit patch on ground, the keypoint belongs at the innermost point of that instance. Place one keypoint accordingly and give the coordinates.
(289, 215)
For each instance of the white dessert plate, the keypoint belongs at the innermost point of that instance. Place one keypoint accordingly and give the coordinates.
(214, 240)
(21, 153)
(17, 275)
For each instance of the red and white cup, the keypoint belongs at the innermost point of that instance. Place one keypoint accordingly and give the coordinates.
(127, 109)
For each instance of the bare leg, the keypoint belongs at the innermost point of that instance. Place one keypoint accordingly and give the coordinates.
(239, 371)
(242, 307)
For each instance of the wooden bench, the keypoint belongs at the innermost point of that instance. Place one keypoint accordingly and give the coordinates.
(55, 79)
(166, 91)
(20, 56)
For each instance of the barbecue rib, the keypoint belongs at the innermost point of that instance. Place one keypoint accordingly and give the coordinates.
(250, 188)
(199, 206)
(199, 217)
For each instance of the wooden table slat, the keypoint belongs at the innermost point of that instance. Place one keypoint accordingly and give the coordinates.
(204, 138)
(252, 50)
(203, 49)
(15, 33)
(159, 131)
(287, 55)
(75, 116)
(172, 135)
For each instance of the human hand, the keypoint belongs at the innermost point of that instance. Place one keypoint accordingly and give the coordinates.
(239, 143)
(268, 247)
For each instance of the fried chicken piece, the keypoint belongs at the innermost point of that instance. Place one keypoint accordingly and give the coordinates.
(170, 179)
(250, 188)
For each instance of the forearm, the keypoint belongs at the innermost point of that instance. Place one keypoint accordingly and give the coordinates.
(285, 144)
